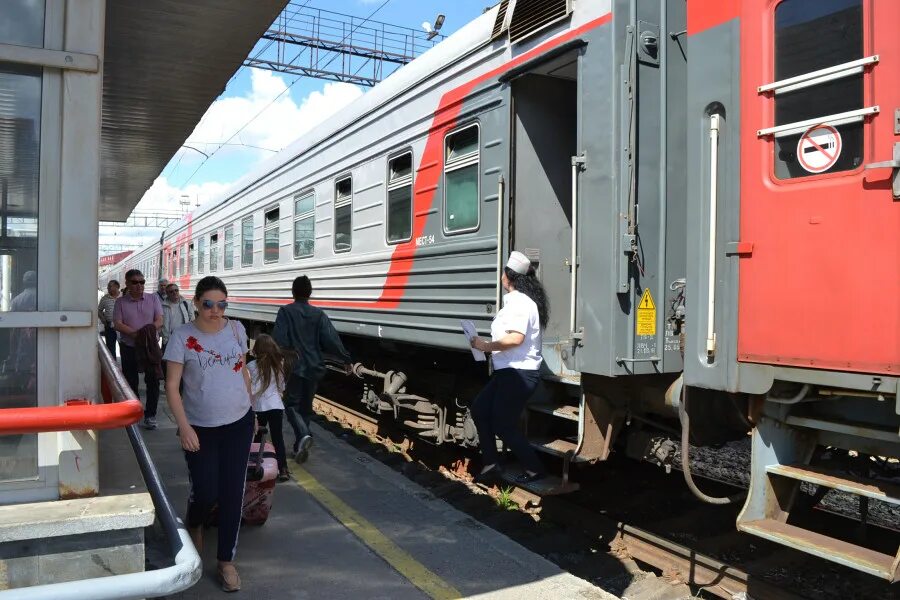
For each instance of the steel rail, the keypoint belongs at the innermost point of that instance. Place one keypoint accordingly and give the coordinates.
(187, 567)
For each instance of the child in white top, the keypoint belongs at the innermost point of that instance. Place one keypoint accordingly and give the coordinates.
(268, 374)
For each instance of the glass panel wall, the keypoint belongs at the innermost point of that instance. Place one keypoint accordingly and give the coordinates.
(20, 131)
(22, 22)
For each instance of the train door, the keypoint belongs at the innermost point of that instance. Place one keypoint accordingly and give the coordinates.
(820, 196)
(545, 138)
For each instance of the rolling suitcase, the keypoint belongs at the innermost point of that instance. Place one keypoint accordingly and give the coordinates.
(262, 469)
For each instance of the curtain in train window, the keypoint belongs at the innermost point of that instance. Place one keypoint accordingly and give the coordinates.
(399, 198)
(461, 153)
(228, 258)
(20, 134)
(213, 252)
(247, 242)
(181, 270)
(270, 236)
(191, 259)
(201, 254)
(812, 35)
(343, 210)
(304, 224)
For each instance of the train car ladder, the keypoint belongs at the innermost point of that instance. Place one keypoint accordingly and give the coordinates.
(781, 454)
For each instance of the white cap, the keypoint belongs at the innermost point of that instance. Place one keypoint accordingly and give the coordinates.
(518, 262)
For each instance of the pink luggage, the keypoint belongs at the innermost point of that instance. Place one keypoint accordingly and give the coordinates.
(262, 469)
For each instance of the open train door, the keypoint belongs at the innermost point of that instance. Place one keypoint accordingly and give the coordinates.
(820, 208)
(544, 126)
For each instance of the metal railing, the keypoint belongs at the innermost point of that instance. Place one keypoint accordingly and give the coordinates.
(187, 567)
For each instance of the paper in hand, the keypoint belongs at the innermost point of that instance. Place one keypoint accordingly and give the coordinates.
(470, 332)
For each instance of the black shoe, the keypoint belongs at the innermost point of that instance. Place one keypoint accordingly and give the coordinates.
(488, 477)
(526, 478)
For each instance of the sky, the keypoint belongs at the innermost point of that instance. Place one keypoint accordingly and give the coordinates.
(261, 112)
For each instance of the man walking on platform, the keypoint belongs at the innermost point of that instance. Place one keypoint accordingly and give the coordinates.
(105, 310)
(161, 289)
(135, 310)
(308, 331)
(176, 312)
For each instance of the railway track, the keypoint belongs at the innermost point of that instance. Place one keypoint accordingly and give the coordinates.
(691, 544)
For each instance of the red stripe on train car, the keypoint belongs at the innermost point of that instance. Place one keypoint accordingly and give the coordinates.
(705, 14)
(427, 177)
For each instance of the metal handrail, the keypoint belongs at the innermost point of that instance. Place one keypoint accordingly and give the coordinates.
(148, 584)
(72, 416)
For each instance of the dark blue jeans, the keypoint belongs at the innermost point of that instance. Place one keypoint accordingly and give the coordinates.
(110, 336)
(298, 399)
(130, 370)
(496, 412)
(217, 472)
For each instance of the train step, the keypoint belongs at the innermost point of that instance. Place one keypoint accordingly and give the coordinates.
(778, 468)
(884, 491)
(559, 447)
(823, 546)
(563, 411)
(550, 485)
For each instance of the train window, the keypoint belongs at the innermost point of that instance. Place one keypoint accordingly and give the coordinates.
(304, 224)
(461, 180)
(213, 252)
(247, 242)
(181, 270)
(399, 198)
(228, 258)
(270, 237)
(343, 210)
(191, 259)
(812, 35)
(201, 254)
(173, 263)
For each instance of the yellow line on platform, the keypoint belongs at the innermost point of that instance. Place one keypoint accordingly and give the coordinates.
(402, 561)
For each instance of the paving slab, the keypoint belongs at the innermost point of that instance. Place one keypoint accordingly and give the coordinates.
(347, 526)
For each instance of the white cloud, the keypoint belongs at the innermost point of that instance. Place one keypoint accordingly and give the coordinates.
(161, 199)
(280, 121)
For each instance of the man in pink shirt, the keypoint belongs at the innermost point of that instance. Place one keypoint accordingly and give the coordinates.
(134, 310)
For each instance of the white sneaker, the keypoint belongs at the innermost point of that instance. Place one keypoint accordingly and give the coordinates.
(306, 443)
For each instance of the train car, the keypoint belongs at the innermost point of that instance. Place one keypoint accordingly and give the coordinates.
(691, 220)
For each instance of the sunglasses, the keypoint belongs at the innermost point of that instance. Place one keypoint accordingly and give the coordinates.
(208, 304)
(171, 291)
(137, 282)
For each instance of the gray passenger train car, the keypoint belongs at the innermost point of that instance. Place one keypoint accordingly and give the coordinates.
(665, 216)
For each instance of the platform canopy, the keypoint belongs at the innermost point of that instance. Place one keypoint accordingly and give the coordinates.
(165, 62)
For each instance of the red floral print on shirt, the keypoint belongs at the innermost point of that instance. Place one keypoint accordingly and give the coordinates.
(193, 344)
(237, 367)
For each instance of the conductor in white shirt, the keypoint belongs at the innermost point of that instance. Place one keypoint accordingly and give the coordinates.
(515, 347)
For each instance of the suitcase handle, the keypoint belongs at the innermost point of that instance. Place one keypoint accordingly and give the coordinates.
(260, 439)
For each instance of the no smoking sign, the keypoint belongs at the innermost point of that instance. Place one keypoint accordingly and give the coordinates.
(819, 148)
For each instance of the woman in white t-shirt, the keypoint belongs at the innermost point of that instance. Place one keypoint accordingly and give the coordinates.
(214, 419)
(515, 348)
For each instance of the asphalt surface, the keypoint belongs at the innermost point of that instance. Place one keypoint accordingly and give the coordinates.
(346, 526)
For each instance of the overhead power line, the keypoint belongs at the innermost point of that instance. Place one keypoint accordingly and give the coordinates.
(284, 91)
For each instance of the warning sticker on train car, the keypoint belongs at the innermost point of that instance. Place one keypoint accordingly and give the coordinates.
(645, 324)
(819, 148)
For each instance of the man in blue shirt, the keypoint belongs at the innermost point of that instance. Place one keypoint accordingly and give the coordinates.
(306, 330)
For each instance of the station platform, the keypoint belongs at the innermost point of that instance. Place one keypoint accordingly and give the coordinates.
(346, 526)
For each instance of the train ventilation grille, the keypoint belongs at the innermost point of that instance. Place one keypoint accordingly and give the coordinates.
(501, 23)
(530, 16)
